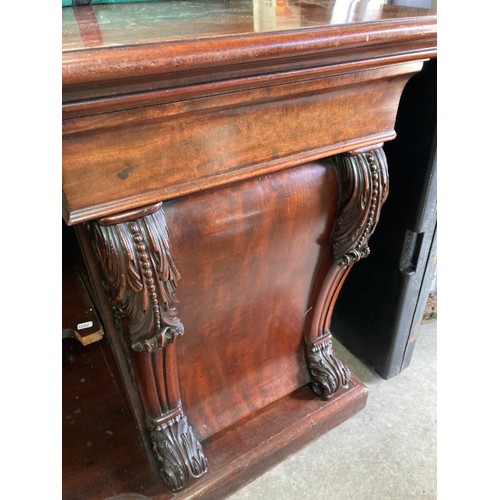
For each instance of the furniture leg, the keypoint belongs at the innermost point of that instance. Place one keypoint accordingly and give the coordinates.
(140, 277)
(364, 186)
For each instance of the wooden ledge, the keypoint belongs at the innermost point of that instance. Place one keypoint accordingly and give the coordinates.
(104, 456)
(249, 448)
(146, 67)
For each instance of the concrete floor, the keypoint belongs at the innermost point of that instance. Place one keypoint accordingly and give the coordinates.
(385, 452)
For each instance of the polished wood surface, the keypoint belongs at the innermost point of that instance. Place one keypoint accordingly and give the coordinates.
(250, 276)
(251, 256)
(216, 224)
(146, 23)
(190, 51)
(148, 119)
(103, 453)
(149, 154)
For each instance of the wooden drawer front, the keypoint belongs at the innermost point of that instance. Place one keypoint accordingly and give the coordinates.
(117, 161)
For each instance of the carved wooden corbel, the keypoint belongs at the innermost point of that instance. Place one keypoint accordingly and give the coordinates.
(363, 188)
(140, 277)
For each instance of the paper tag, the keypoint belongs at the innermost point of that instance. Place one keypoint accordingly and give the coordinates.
(83, 326)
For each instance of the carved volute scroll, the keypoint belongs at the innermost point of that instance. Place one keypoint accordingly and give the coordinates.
(363, 188)
(328, 372)
(140, 277)
(177, 450)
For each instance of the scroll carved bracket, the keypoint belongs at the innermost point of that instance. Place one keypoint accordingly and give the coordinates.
(328, 372)
(140, 278)
(363, 188)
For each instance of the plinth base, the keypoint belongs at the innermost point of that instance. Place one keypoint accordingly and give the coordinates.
(242, 452)
(103, 454)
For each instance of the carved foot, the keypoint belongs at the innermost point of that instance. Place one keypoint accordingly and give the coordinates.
(363, 188)
(328, 372)
(140, 277)
(177, 450)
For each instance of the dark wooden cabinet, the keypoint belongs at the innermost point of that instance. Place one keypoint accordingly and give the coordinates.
(382, 327)
(223, 169)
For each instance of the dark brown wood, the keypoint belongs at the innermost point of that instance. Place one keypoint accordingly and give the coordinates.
(209, 109)
(130, 215)
(190, 52)
(364, 187)
(238, 266)
(140, 277)
(297, 207)
(253, 446)
(102, 451)
(156, 23)
(249, 275)
(217, 226)
(247, 254)
(142, 156)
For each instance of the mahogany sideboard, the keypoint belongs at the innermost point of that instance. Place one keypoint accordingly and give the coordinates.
(223, 169)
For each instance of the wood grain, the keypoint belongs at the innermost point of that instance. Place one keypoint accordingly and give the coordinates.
(151, 114)
(196, 55)
(249, 253)
(216, 120)
(143, 156)
(103, 456)
(113, 26)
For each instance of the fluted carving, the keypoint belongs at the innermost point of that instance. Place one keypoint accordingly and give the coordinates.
(140, 277)
(363, 188)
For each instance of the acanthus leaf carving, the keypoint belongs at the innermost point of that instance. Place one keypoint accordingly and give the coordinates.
(141, 278)
(364, 188)
(328, 372)
(177, 450)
